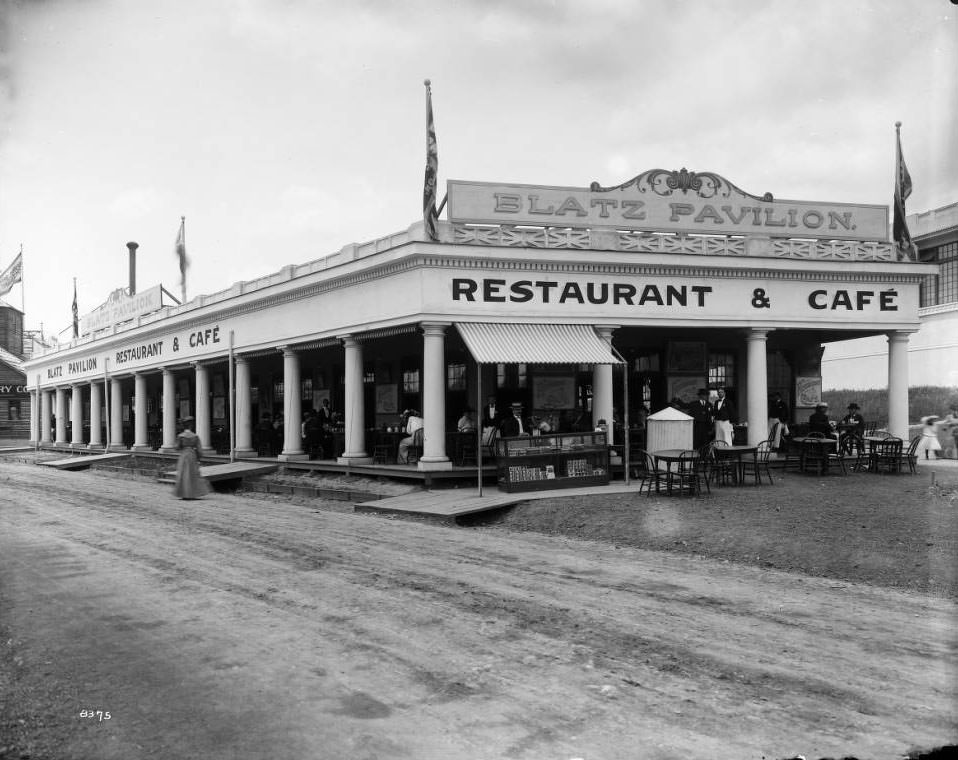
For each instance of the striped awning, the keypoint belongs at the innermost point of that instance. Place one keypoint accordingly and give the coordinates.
(490, 342)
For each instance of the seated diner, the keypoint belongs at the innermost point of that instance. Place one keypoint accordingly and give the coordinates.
(818, 421)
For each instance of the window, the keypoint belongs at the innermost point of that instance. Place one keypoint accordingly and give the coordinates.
(511, 376)
(456, 376)
(410, 381)
(306, 389)
(277, 391)
(943, 287)
(721, 370)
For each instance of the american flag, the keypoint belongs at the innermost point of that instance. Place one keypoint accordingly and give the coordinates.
(429, 213)
(11, 275)
(180, 248)
(899, 227)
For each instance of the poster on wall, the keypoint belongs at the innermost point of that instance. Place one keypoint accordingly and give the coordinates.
(550, 392)
(387, 399)
(687, 356)
(808, 391)
(685, 387)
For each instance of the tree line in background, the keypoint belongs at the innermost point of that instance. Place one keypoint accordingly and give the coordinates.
(922, 401)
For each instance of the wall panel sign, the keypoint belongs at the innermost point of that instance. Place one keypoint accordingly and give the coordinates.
(665, 201)
(121, 307)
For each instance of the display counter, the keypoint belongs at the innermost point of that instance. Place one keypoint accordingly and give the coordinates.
(564, 460)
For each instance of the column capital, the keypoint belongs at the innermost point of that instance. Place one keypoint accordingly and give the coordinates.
(757, 333)
(349, 340)
(605, 331)
(288, 352)
(899, 336)
(434, 329)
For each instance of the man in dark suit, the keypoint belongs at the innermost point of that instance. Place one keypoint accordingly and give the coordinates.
(511, 424)
(702, 416)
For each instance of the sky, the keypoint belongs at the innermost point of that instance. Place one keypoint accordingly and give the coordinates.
(283, 130)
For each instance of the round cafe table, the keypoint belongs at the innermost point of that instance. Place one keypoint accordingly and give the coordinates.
(738, 454)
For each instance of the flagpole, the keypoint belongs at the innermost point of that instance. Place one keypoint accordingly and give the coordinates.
(23, 304)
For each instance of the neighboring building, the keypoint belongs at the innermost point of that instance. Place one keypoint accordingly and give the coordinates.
(533, 294)
(14, 398)
(933, 350)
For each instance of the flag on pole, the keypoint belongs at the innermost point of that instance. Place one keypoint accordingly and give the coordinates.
(899, 227)
(181, 255)
(76, 313)
(429, 213)
(11, 275)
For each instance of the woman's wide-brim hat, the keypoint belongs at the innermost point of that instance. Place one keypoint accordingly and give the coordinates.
(929, 418)
(821, 405)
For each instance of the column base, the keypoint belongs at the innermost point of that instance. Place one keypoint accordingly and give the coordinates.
(433, 464)
(246, 453)
(116, 447)
(167, 449)
(355, 459)
(141, 447)
(64, 444)
(302, 456)
(91, 445)
(79, 446)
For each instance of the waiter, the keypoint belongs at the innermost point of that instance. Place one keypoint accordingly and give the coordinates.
(724, 414)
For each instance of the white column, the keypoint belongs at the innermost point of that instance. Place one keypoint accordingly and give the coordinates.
(292, 408)
(61, 433)
(96, 403)
(434, 398)
(46, 404)
(204, 410)
(76, 416)
(34, 417)
(757, 386)
(244, 409)
(602, 385)
(116, 414)
(898, 384)
(355, 412)
(169, 412)
(141, 441)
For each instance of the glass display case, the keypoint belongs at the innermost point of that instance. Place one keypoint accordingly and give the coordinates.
(562, 460)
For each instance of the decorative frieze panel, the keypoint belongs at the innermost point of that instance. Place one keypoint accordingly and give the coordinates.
(645, 242)
(833, 250)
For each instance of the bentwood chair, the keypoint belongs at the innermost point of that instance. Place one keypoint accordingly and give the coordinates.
(759, 465)
(716, 468)
(910, 457)
(645, 471)
(886, 455)
(689, 474)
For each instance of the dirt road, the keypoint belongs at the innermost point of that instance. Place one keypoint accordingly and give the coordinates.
(238, 628)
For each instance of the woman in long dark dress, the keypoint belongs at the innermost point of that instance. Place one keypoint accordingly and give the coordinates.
(189, 483)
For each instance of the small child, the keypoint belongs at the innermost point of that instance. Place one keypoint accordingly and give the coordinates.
(929, 437)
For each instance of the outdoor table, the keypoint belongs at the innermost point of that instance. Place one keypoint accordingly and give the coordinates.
(669, 457)
(821, 456)
(738, 454)
(871, 453)
(387, 446)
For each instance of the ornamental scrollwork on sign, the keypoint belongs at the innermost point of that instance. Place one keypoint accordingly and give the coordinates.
(665, 183)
